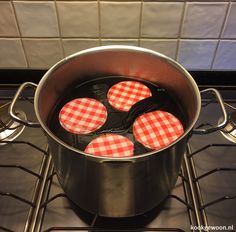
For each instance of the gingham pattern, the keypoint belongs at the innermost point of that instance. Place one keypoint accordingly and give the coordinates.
(157, 129)
(111, 145)
(82, 115)
(126, 93)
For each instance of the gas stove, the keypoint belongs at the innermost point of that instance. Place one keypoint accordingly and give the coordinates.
(203, 199)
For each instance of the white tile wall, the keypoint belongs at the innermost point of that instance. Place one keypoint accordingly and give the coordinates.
(226, 55)
(78, 19)
(197, 54)
(42, 53)
(37, 19)
(120, 19)
(167, 47)
(161, 19)
(74, 45)
(131, 42)
(12, 54)
(203, 20)
(230, 26)
(35, 34)
(8, 25)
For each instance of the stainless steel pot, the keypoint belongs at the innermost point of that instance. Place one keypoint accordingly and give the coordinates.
(116, 187)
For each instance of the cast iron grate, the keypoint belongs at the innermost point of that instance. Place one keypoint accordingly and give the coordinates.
(213, 205)
(212, 171)
(22, 164)
(30, 202)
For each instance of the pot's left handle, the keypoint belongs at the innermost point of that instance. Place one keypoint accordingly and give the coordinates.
(13, 103)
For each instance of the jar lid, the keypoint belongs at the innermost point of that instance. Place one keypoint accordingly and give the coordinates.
(82, 115)
(157, 129)
(125, 94)
(110, 145)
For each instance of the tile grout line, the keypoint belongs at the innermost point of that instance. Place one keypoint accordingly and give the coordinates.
(99, 23)
(117, 0)
(220, 34)
(20, 33)
(140, 23)
(59, 29)
(180, 30)
(116, 38)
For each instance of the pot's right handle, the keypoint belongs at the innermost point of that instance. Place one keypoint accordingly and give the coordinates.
(13, 103)
(222, 107)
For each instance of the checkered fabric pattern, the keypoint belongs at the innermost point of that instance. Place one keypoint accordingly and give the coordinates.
(157, 129)
(126, 93)
(82, 115)
(111, 145)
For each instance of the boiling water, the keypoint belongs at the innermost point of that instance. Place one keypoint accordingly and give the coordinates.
(97, 89)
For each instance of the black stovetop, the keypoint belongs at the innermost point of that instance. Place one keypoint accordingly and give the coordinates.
(31, 198)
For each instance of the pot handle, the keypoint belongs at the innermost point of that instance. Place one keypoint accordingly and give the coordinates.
(223, 111)
(13, 103)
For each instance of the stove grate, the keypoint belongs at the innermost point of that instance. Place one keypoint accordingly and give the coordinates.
(196, 178)
(26, 143)
(5, 229)
(205, 202)
(30, 200)
(191, 154)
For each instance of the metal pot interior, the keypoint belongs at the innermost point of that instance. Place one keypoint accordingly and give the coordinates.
(128, 62)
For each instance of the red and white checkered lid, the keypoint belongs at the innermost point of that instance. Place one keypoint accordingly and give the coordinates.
(110, 145)
(125, 94)
(157, 129)
(82, 115)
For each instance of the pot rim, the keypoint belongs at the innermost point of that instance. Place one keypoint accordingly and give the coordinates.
(107, 48)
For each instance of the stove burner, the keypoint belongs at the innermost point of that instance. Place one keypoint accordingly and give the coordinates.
(9, 130)
(229, 132)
